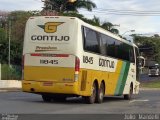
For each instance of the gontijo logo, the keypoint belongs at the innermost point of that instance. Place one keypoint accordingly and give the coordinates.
(50, 27)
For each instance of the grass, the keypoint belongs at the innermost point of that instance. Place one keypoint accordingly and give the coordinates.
(153, 84)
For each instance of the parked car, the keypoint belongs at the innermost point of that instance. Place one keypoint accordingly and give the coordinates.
(154, 70)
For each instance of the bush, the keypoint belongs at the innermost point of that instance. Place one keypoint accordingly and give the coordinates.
(13, 72)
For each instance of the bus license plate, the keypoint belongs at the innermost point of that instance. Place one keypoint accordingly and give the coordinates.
(47, 83)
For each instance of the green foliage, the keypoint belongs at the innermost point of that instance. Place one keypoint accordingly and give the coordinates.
(11, 73)
(86, 4)
(4, 52)
(149, 42)
(2, 35)
(62, 6)
(110, 27)
(153, 84)
(16, 52)
(5, 72)
(3, 46)
(18, 20)
(95, 22)
(73, 14)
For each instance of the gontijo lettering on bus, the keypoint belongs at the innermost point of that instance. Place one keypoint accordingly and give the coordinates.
(106, 63)
(50, 27)
(102, 62)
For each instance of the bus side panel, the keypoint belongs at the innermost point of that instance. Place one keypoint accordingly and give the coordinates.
(113, 78)
(122, 78)
(110, 78)
(131, 79)
(85, 81)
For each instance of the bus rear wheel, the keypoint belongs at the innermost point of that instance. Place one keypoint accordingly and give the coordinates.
(100, 94)
(91, 99)
(130, 95)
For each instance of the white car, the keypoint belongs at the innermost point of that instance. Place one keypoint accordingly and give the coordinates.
(154, 70)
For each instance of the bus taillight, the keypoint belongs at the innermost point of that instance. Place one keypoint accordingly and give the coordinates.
(77, 64)
(77, 68)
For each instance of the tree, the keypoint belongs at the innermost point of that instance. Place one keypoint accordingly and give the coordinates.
(86, 4)
(149, 46)
(2, 35)
(62, 6)
(18, 21)
(96, 20)
(156, 35)
(110, 27)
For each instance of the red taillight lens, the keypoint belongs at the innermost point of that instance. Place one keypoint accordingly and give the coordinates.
(77, 64)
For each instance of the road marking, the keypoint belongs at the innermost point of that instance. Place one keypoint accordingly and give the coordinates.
(139, 101)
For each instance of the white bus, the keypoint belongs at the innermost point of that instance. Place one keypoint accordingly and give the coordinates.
(64, 56)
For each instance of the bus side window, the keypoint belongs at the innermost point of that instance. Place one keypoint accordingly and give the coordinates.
(131, 55)
(91, 40)
(103, 44)
(111, 47)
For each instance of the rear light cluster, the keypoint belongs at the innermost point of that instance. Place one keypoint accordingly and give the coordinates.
(77, 69)
(77, 64)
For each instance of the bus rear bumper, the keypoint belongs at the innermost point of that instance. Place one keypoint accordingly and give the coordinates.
(50, 87)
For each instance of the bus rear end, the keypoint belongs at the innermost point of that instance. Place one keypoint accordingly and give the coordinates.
(49, 56)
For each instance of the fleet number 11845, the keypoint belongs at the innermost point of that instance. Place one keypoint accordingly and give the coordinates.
(48, 61)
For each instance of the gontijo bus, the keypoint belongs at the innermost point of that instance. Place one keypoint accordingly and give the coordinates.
(64, 56)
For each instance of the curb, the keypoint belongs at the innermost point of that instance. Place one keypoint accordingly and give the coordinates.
(10, 90)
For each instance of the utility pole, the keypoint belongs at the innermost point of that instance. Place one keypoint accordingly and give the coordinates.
(9, 44)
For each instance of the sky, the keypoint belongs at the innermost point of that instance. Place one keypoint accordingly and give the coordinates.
(106, 10)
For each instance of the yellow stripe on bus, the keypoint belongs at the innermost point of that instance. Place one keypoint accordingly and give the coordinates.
(113, 79)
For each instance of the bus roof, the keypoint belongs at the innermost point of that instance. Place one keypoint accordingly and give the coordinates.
(96, 28)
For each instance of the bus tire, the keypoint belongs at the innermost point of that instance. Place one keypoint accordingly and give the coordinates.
(91, 99)
(130, 95)
(46, 98)
(100, 93)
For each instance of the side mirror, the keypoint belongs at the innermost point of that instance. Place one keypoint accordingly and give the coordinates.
(141, 62)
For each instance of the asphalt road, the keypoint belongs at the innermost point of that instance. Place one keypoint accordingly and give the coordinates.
(148, 101)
